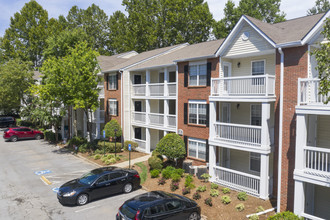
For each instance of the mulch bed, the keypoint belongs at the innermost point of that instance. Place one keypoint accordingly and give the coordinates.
(219, 210)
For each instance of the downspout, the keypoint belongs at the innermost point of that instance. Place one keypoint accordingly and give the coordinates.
(122, 104)
(280, 133)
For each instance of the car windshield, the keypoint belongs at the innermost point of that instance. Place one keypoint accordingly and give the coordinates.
(88, 178)
(128, 211)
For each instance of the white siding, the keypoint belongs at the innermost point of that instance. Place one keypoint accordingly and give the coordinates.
(323, 131)
(255, 43)
(126, 100)
(322, 202)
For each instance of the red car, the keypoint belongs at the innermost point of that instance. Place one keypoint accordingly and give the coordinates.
(13, 134)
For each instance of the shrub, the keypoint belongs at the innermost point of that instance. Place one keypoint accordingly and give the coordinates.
(110, 156)
(208, 201)
(50, 136)
(201, 189)
(172, 146)
(154, 173)
(260, 209)
(214, 186)
(107, 162)
(156, 154)
(242, 196)
(214, 193)
(196, 196)
(179, 171)
(76, 140)
(134, 145)
(109, 147)
(155, 163)
(240, 207)
(206, 177)
(284, 216)
(166, 174)
(98, 151)
(110, 129)
(161, 181)
(97, 157)
(104, 158)
(175, 177)
(254, 217)
(226, 190)
(188, 183)
(185, 191)
(174, 186)
(117, 158)
(225, 199)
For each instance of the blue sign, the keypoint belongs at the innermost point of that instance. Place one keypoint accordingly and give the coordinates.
(42, 172)
(104, 134)
(129, 147)
(55, 190)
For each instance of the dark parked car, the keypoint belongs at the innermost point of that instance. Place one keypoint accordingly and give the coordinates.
(98, 183)
(15, 133)
(159, 205)
(7, 122)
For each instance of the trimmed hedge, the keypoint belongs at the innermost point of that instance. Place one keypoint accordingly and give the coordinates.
(50, 136)
(134, 145)
(109, 147)
(155, 163)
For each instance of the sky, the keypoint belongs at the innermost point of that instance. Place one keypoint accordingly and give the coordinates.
(292, 8)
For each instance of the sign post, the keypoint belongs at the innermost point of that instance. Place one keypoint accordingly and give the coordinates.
(129, 155)
(103, 142)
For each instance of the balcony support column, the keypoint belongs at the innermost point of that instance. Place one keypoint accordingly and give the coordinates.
(301, 134)
(264, 176)
(147, 83)
(299, 197)
(166, 111)
(265, 120)
(147, 140)
(213, 118)
(147, 111)
(212, 161)
(165, 82)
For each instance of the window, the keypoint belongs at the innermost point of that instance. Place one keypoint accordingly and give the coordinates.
(117, 175)
(258, 67)
(256, 115)
(158, 209)
(197, 75)
(197, 148)
(173, 205)
(197, 113)
(103, 179)
(112, 107)
(112, 80)
(255, 162)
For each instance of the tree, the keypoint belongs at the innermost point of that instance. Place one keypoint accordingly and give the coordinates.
(110, 128)
(322, 56)
(119, 33)
(265, 10)
(25, 38)
(172, 146)
(15, 79)
(321, 6)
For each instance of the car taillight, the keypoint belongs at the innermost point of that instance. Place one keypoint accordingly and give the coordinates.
(137, 215)
(137, 176)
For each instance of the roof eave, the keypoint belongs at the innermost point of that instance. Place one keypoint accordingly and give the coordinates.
(195, 58)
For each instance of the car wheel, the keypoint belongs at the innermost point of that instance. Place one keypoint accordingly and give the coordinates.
(38, 137)
(193, 216)
(128, 188)
(82, 199)
(13, 138)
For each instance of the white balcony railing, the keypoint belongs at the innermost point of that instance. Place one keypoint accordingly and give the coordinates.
(156, 119)
(171, 120)
(261, 85)
(171, 89)
(156, 89)
(141, 143)
(238, 133)
(308, 92)
(237, 180)
(317, 159)
(139, 117)
(139, 90)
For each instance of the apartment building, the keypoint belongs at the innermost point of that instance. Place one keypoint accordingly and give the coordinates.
(247, 106)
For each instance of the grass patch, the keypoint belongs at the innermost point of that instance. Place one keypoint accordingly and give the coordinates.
(143, 174)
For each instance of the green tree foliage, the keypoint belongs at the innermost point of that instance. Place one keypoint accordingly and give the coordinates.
(172, 146)
(322, 56)
(152, 24)
(94, 22)
(110, 129)
(320, 7)
(15, 79)
(265, 10)
(25, 38)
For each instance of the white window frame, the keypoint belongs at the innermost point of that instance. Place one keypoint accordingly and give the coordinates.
(197, 147)
(112, 110)
(254, 61)
(197, 64)
(251, 156)
(251, 113)
(197, 102)
(112, 86)
(228, 64)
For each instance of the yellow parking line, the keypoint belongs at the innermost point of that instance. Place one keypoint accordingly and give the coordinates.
(45, 180)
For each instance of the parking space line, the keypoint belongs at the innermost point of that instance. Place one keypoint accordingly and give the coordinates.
(45, 180)
(81, 210)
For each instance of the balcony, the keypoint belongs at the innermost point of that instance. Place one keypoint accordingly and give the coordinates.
(154, 119)
(154, 90)
(308, 92)
(262, 86)
(237, 180)
(317, 161)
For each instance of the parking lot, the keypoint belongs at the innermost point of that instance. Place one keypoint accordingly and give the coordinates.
(30, 173)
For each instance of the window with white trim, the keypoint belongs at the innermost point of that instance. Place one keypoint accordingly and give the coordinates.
(112, 107)
(197, 75)
(197, 113)
(255, 162)
(256, 115)
(197, 148)
(258, 67)
(112, 80)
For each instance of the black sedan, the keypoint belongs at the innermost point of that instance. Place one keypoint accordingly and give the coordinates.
(159, 205)
(98, 183)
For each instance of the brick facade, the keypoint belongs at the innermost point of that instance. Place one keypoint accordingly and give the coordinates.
(295, 66)
(194, 93)
(112, 94)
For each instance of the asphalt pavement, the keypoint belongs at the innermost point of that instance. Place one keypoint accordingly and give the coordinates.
(31, 172)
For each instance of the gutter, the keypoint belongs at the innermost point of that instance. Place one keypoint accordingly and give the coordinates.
(279, 176)
(196, 58)
(121, 102)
